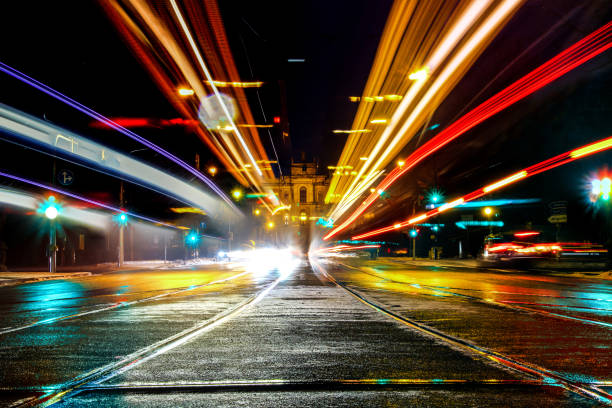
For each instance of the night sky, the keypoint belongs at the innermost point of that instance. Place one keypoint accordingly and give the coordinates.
(72, 47)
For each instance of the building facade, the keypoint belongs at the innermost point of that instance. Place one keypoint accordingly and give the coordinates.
(302, 196)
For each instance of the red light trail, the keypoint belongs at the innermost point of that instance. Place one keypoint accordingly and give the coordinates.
(537, 168)
(574, 56)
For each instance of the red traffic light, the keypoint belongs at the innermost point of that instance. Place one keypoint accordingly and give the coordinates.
(277, 119)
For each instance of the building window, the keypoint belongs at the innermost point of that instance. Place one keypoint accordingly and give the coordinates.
(303, 197)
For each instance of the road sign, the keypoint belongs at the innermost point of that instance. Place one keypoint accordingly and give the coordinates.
(557, 219)
(558, 207)
(65, 177)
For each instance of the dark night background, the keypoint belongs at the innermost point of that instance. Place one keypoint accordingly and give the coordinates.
(72, 47)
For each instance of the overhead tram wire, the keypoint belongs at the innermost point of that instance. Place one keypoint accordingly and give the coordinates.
(93, 114)
(263, 113)
(200, 60)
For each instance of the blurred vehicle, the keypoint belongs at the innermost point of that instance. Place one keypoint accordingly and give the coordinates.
(504, 248)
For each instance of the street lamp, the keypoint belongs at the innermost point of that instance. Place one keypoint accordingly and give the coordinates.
(186, 91)
(237, 194)
(212, 170)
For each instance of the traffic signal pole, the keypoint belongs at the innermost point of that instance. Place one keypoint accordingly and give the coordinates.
(121, 251)
(52, 247)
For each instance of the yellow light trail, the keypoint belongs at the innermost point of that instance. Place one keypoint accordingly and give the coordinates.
(441, 85)
(200, 60)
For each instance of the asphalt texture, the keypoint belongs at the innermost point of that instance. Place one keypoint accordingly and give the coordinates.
(234, 335)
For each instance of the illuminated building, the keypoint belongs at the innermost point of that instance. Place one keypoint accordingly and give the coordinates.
(302, 195)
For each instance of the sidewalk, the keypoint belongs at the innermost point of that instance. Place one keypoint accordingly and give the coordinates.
(34, 274)
(18, 278)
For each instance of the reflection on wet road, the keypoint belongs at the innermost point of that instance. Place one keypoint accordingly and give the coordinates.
(259, 335)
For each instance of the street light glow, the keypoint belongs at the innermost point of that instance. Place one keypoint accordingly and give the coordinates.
(51, 212)
(186, 91)
(488, 210)
(419, 75)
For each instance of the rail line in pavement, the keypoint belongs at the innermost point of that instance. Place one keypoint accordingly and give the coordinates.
(489, 301)
(119, 305)
(548, 377)
(55, 394)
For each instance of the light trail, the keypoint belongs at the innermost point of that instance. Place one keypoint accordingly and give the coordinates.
(442, 84)
(93, 114)
(90, 218)
(69, 144)
(85, 199)
(196, 51)
(537, 168)
(574, 56)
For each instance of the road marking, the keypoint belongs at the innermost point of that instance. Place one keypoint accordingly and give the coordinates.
(118, 305)
(548, 376)
(104, 373)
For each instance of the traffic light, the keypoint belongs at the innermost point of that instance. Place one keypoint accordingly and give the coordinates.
(601, 188)
(121, 219)
(414, 233)
(50, 208)
(192, 238)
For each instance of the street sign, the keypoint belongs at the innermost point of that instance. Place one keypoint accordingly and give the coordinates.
(65, 177)
(557, 219)
(558, 207)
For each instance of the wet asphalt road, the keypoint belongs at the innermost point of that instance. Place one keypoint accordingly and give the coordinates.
(233, 335)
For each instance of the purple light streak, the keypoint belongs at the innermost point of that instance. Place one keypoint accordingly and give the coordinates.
(81, 198)
(93, 114)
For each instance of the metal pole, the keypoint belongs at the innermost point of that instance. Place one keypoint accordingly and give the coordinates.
(121, 247)
(230, 236)
(121, 254)
(413, 249)
(52, 247)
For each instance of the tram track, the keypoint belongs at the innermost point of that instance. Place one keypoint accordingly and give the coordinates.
(549, 377)
(505, 305)
(118, 305)
(94, 378)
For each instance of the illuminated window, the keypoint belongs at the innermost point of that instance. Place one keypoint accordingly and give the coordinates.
(303, 198)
